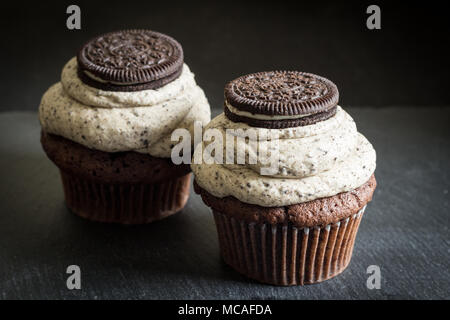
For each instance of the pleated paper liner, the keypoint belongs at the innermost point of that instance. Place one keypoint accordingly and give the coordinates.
(125, 203)
(284, 254)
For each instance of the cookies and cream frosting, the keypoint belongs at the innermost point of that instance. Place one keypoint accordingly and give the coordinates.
(314, 161)
(113, 121)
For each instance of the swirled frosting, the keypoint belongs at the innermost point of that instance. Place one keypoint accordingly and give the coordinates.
(314, 161)
(112, 121)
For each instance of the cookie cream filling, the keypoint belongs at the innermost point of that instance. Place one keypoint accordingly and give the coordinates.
(113, 121)
(261, 116)
(314, 161)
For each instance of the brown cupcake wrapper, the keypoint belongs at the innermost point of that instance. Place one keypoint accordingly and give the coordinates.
(284, 254)
(125, 203)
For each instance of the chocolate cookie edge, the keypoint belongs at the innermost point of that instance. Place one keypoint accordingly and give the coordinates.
(282, 124)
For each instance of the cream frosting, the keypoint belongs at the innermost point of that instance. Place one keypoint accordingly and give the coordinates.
(113, 121)
(314, 161)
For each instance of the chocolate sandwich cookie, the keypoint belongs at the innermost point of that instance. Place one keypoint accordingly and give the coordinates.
(130, 60)
(280, 99)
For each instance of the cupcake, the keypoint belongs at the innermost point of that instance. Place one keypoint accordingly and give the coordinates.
(291, 220)
(107, 126)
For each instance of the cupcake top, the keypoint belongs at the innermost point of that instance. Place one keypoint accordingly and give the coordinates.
(125, 91)
(311, 143)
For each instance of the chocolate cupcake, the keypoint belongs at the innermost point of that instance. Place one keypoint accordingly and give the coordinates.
(107, 126)
(288, 211)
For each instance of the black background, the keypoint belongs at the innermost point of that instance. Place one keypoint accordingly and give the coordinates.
(404, 63)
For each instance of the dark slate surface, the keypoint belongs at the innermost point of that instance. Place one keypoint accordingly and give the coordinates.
(405, 230)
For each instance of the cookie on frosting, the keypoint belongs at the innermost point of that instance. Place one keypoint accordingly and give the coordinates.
(280, 99)
(130, 60)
